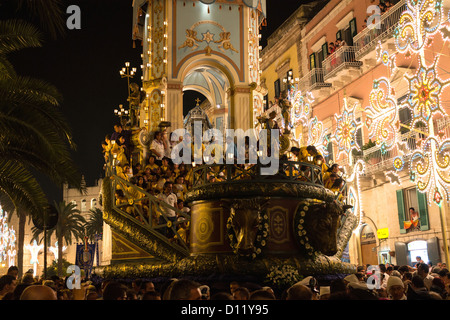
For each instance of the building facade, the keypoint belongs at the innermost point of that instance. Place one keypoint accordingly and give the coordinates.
(348, 80)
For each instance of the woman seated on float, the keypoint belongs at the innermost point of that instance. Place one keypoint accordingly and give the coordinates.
(336, 188)
(333, 169)
(319, 160)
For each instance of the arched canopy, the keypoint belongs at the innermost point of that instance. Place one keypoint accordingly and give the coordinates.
(210, 82)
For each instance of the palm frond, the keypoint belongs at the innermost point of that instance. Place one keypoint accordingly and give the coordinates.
(22, 189)
(17, 35)
(94, 223)
(7, 71)
(48, 13)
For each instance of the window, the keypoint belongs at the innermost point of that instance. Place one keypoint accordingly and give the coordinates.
(359, 136)
(74, 202)
(277, 88)
(312, 61)
(287, 80)
(411, 198)
(83, 205)
(353, 30)
(405, 118)
(325, 50)
(93, 203)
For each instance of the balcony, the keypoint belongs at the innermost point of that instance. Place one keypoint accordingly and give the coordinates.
(367, 40)
(378, 161)
(313, 80)
(342, 65)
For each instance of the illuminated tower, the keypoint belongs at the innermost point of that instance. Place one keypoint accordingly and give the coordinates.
(183, 40)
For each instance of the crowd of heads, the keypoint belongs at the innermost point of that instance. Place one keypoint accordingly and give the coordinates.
(379, 282)
(384, 7)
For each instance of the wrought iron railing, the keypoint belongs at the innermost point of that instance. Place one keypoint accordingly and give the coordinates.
(342, 58)
(313, 80)
(378, 159)
(291, 171)
(145, 209)
(368, 39)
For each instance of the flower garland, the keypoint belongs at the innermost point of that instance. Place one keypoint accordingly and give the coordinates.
(261, 236)
(283, 276)
(300, 233)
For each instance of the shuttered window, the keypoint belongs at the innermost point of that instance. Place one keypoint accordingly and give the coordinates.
(407, 198)
(401, 210)
(423, 211)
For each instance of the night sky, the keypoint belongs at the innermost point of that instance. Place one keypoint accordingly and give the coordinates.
(84, 65)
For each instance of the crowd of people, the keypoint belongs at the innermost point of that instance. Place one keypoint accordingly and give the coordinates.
(379, 282)
(160, 177)
(384, 7)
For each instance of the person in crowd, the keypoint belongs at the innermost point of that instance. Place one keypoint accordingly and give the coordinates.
(185, 289)
(117, 130)
(165, 166)
(205, 291)
(438, 286)
(180, 187)
(13, 271)
(222, 296)
(334, 168)
(169, 198)
(151, 165)
(395, 288)
(106, 147)
(38, 292)
(423, 271)
(7, 285)
(115, 291)
(299, 292)
(241, 293)
(331, 48)
(151, 295)
(158, 148)
(119, 152)
(261, 294)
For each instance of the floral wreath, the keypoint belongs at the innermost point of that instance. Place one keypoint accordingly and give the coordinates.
(261, 236)
(283, 276)
(300, 233)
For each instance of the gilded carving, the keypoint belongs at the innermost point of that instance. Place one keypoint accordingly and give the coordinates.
(192, 40)
(278, 224)
(247, 226)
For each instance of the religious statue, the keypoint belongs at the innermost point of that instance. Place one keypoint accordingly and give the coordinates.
(135, 100)
(285, 107)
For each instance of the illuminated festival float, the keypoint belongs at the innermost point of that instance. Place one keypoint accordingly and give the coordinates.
(242, 221)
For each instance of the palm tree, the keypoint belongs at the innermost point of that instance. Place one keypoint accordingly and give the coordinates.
(48, 14)
(70, 225)
(94, 224)
(94, 227)
(34, 135)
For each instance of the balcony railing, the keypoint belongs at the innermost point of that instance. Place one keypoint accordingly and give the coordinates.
(377, 160)
(339, 60)
(313, 80)
(288, 171)
(368, 39)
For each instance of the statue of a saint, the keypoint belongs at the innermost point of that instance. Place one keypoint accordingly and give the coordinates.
(285, 106)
